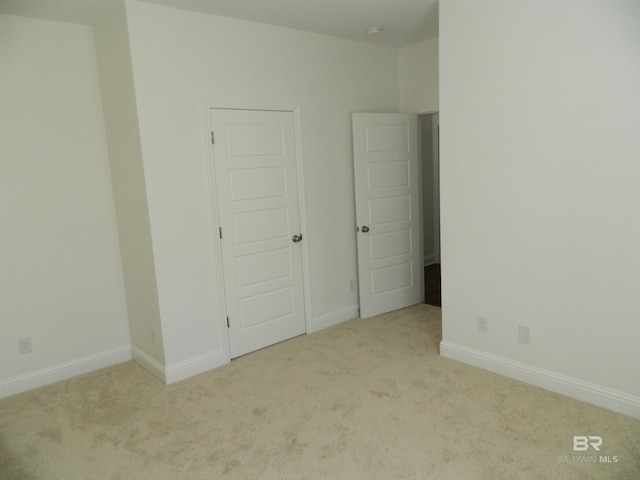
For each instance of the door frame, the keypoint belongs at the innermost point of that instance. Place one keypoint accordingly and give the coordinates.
(294, 108)
(435, 132)
(422, 111)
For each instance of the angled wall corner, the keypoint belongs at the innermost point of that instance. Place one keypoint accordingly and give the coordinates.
(129, 185)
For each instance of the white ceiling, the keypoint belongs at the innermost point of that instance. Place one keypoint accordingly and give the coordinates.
(404, 22)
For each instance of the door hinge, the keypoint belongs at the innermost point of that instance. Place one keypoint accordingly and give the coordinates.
(213, 139)
(220, 231)
(228, 326)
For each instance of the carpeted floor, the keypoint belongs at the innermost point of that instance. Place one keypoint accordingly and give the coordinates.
(367, 399)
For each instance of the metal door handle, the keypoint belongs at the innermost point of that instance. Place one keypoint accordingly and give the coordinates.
(296, 238)
(364, 229)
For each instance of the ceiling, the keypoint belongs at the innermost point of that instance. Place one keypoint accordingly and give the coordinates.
(403, 22)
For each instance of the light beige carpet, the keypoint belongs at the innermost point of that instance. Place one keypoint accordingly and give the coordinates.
(367, 399)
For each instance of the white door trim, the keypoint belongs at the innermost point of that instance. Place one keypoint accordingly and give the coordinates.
(425, 109)
(435, 132)
(294, 108)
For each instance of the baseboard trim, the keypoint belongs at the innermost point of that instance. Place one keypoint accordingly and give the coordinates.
(63, 371)
(182, 370)
(149, 363)
(598, 395)
(429, 260)
(195, 366)
(334, 318)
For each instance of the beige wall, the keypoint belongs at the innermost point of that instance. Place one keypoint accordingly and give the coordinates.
(418, 77)
(538, 182)
(60, 262)
(539, 190)
(129, 187)
(179, 59)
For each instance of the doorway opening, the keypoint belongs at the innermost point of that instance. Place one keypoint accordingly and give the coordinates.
(429, 125)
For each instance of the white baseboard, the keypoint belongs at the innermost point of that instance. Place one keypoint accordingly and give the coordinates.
(149, 363)
(429, 259)
(598, 395)
(182, 370)
(195, 366)
(64, 371)
(334, 318)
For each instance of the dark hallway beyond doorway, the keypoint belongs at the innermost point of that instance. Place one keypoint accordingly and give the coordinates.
(432, 294)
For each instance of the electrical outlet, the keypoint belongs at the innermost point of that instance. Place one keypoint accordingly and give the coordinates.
(352, 285)
(524, 335)
(483, 324)
(24, 345)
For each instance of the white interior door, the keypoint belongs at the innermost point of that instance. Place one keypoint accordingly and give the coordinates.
(257, 195)
(387, 211)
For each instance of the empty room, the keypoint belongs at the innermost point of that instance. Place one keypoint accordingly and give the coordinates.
(215, 219)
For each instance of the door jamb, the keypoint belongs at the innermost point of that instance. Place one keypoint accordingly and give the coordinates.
(294, 108)
(422, 111)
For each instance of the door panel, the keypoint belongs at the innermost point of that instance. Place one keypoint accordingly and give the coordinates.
(256, 187)
(388, 245)
(389, 210)
(266, 307)
(389, 279)
(257, 183)
(387, 204)
(260, 225)
(263, 267)
(388, 174)
(387, 138)
(266, 140)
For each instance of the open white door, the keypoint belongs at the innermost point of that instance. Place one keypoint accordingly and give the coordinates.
(387, 211)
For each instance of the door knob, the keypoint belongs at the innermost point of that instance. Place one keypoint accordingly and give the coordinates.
(296, 238)
(364, 229)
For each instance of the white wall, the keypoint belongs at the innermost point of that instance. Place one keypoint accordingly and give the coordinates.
(418, 68)
(418, 77)
(60, 263)
(129, 188)
(539, 105)
(180, 58)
